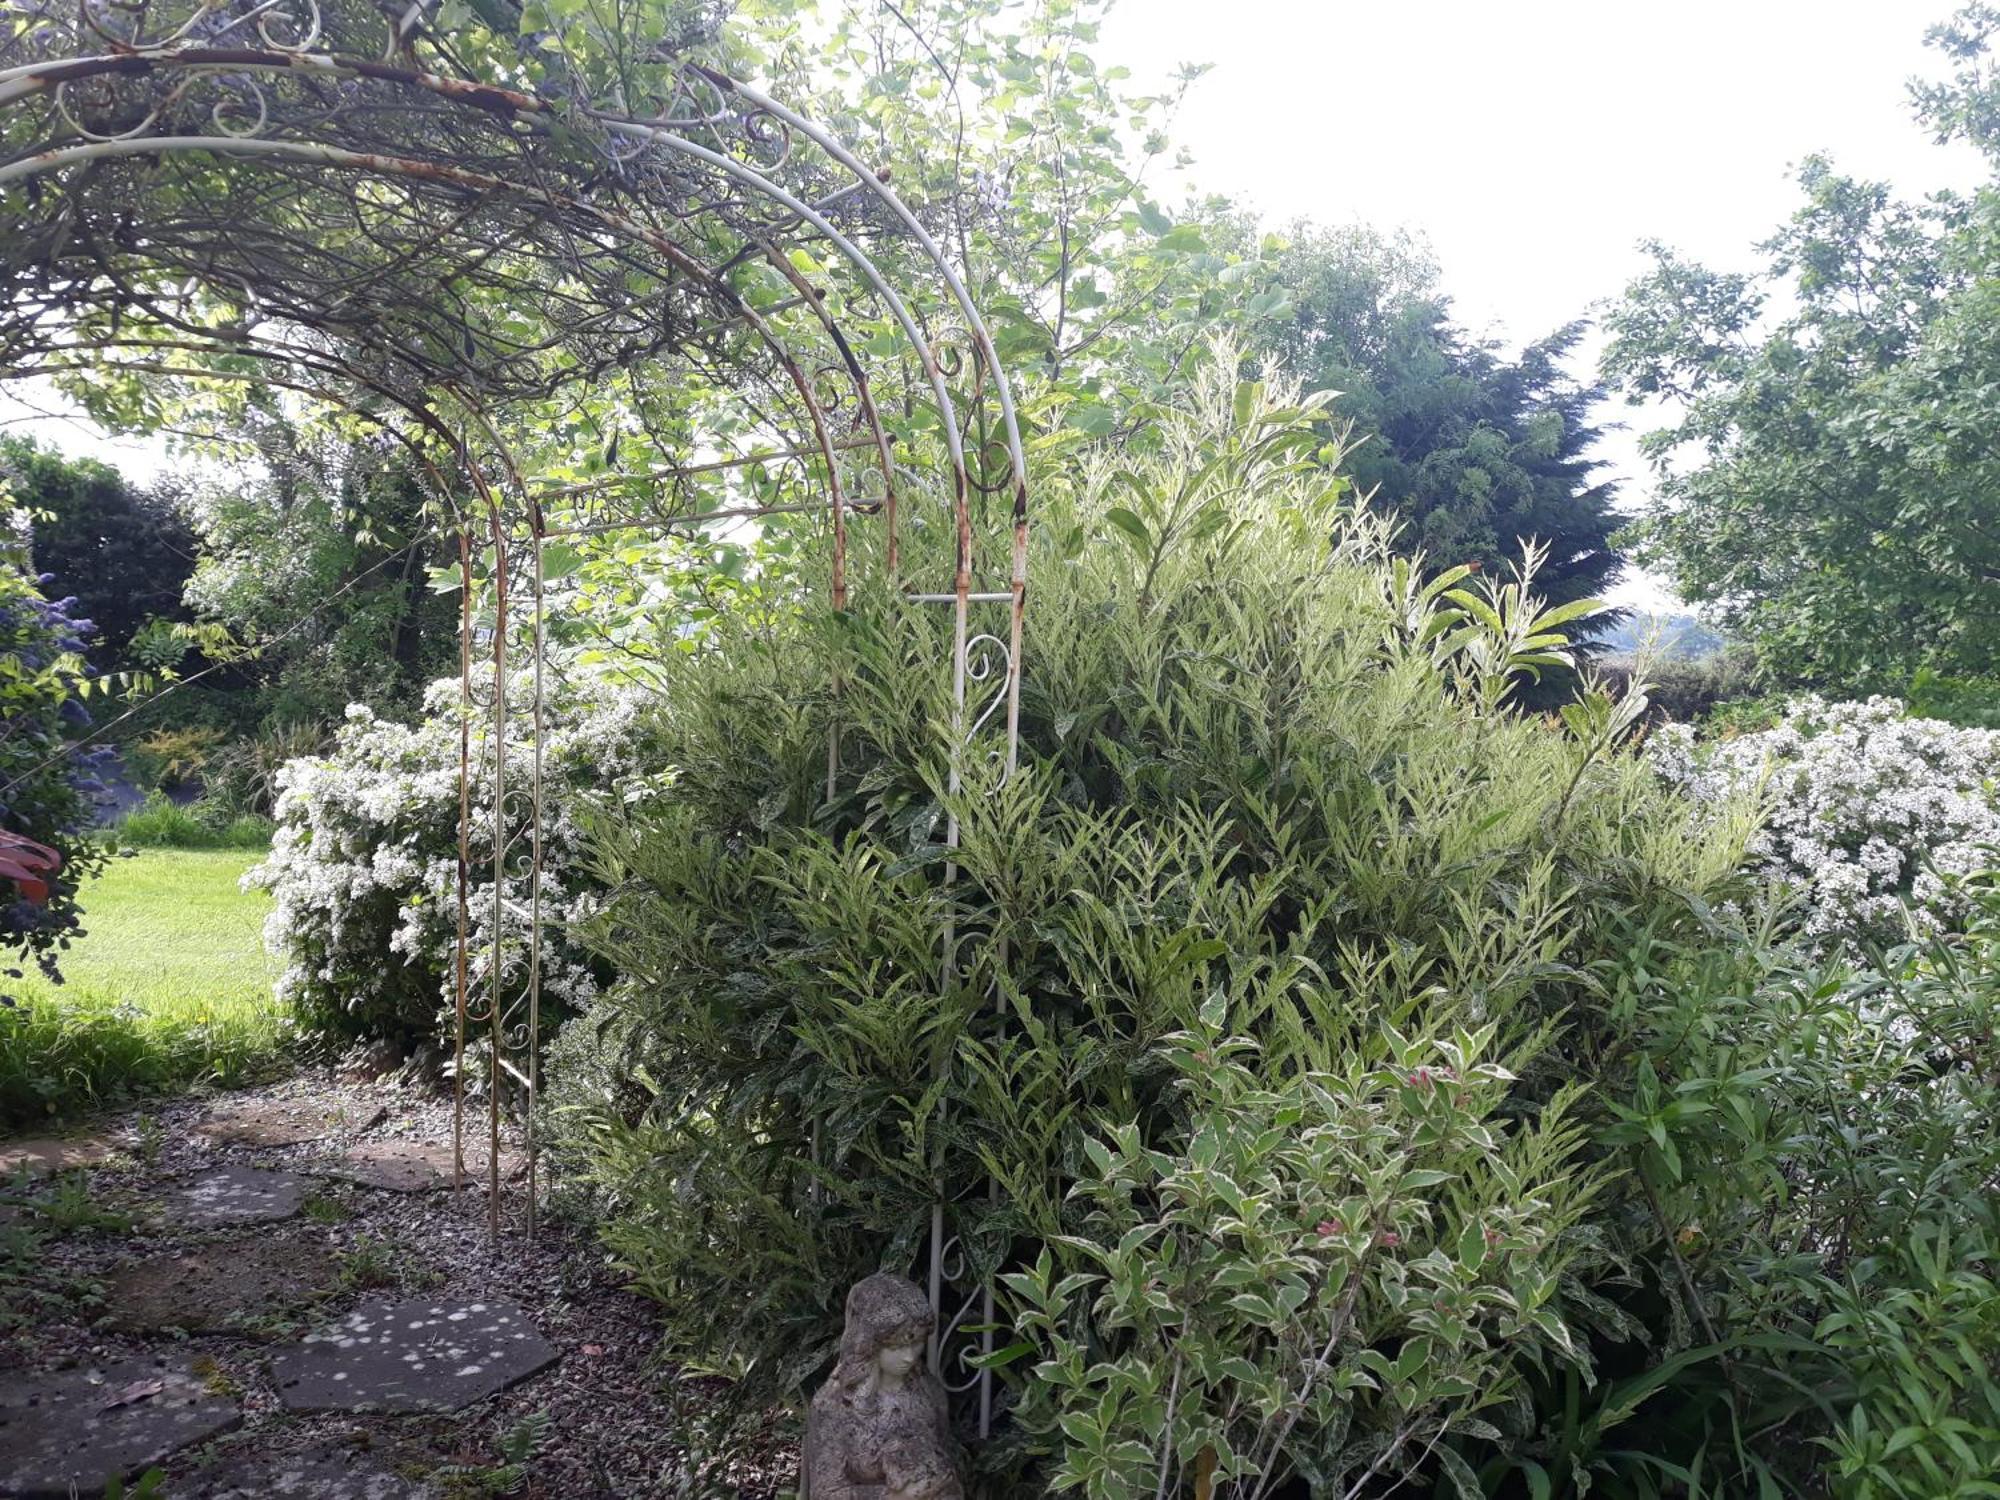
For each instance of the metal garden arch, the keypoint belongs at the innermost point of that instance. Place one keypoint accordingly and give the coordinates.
(356, 201)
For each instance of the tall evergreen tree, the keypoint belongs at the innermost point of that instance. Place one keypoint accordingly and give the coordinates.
(1474, 452)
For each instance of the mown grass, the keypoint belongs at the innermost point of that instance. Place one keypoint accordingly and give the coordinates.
(170, 986)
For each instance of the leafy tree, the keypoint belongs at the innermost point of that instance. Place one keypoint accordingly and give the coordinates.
(1038, 168)
(1831, 484)
(122, 549)
(1474, 453)
(323, 521)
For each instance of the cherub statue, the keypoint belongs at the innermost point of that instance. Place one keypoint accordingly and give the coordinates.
(878, 1428)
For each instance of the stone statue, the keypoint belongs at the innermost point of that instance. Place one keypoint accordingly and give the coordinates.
(878, 1428)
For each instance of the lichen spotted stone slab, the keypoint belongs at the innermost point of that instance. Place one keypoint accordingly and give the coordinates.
(217, 1288)
(70, 1432)
(416, 1166)
(417, 1355)
(234, 1195)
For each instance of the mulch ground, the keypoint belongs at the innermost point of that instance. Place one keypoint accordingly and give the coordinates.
(619, 1422)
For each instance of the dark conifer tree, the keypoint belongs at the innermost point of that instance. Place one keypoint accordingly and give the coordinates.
(123, 551)
(1475, 453)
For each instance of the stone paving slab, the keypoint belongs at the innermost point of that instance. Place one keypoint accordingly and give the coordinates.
(70, 1431)
(216, 1288)
(234, 1195)
(41, 1155)
(423, 1354)
(270, 1122)
(325, 1472)
(416, 1166)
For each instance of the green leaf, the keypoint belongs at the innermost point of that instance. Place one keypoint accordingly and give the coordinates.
(1259, 1308)
(1134, 529)
(1562, 614)
(1093, 419)
(1001, 1358)
(1463, 1480)
(1472, 1246)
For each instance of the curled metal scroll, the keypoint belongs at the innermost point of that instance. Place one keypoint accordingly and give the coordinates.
(990, 669)
(964, 1333)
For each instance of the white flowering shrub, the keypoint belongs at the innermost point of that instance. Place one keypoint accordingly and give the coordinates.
(1870, 813)
(364, 865)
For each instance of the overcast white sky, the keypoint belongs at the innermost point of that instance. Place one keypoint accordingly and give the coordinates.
(1535, 143)
(22, 408)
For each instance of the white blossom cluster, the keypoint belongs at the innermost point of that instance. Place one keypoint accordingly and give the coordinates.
(1868, 814)
(363, 868)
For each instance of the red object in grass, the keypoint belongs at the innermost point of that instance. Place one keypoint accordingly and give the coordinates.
(25, 862)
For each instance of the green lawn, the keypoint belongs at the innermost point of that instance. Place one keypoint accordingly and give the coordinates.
(169, 986)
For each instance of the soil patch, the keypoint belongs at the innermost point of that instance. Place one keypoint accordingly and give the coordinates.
(217, 1288)
(277, 1122)
(38, 1156)
(404, 1166)
(326, 1471)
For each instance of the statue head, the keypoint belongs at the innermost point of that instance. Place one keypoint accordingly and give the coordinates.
(888, 1325)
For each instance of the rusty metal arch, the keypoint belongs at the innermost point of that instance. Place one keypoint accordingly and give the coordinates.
(285, 104)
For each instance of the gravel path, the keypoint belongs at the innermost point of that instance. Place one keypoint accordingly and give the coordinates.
(619, 1424)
